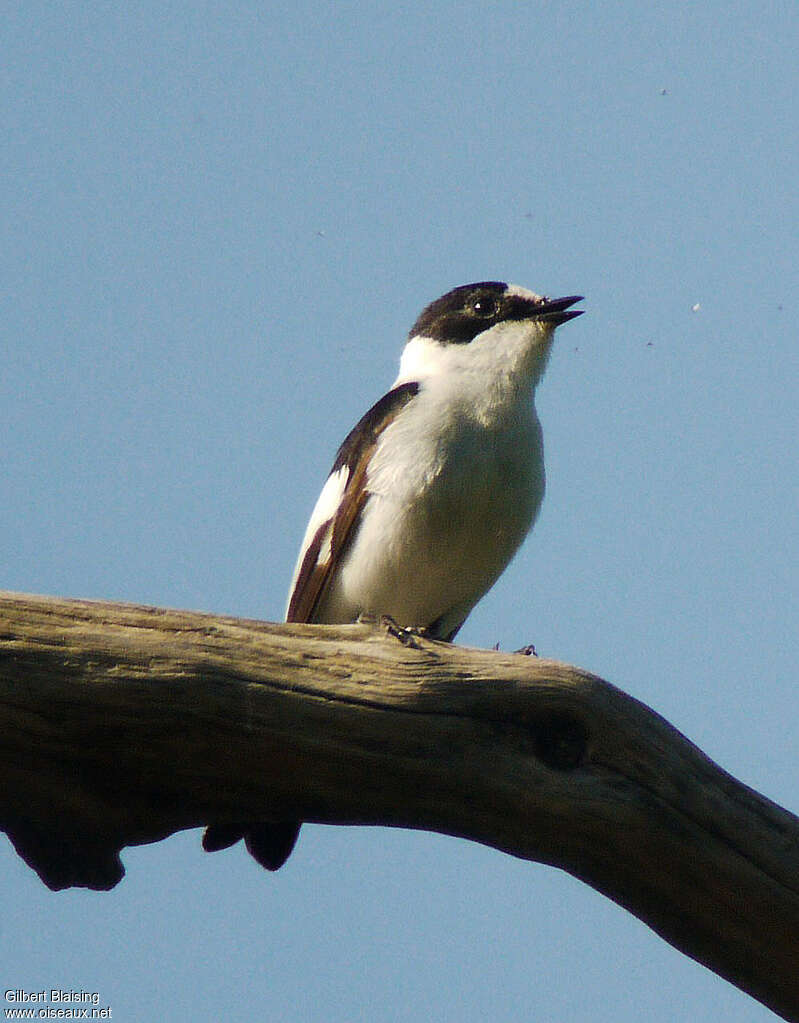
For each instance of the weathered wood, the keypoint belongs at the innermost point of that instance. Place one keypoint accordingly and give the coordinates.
(121, 724)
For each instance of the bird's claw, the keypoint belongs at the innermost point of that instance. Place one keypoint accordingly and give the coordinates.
(407, 636)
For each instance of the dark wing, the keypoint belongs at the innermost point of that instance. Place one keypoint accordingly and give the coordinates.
(271, 842)
(331, 537)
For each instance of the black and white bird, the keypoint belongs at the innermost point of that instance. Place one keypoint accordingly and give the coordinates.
(433, 491)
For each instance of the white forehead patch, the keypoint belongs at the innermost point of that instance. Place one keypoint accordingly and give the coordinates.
(520, 292)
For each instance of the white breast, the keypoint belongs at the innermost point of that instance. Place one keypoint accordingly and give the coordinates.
(453, 493)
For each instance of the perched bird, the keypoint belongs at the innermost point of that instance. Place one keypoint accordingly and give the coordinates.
(433, 491)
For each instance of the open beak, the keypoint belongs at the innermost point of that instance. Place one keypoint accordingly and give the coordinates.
(554, 310)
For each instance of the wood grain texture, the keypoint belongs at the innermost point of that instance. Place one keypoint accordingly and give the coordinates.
(121, 724)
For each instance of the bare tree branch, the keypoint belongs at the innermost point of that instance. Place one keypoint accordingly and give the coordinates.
(120, 725)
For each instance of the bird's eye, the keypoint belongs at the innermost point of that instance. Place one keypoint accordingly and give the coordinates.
(484, 307)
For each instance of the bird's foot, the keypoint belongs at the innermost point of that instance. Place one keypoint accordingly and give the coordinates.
(526, 651)
(408, 636)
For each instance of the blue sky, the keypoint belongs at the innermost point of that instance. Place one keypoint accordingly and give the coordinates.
(219, 223)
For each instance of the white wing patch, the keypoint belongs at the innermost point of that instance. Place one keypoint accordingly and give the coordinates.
(334, 521)
(325, 509)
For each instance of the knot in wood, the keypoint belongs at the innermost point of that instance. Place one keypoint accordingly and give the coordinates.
(560, 740)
